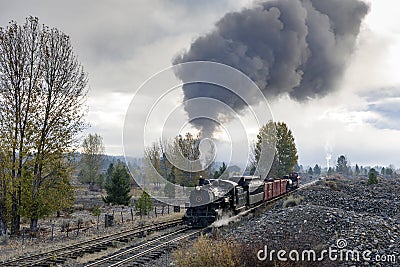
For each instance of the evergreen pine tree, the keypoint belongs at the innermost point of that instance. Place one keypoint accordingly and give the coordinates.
(372, 176)
(218, 173)
(109, 173)
(357, 170)
(119, 186)
(341, 166)
(285, 158)
(317, 169)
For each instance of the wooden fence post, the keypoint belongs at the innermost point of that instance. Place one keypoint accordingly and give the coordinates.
(79, 226)
(23, 236)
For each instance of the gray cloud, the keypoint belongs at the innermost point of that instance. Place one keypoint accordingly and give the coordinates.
(294, 47)
(111, 37)
(386, 103)
(377, 94)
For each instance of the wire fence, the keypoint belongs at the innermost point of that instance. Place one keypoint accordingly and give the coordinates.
(82, 224)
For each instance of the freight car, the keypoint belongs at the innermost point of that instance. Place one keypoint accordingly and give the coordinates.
(214, 199)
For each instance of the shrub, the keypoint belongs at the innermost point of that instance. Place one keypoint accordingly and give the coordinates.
(332, 185)
(96, 211)
(372, 177)
(292, 201)
(65, 226)
(208, 252)
(144, 204)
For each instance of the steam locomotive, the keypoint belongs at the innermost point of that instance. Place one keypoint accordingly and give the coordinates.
(213, 199)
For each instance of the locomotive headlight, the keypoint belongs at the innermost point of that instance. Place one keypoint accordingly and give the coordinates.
(199, 199)
(197, 188)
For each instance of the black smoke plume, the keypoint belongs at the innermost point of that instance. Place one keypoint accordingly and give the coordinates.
(294, 47)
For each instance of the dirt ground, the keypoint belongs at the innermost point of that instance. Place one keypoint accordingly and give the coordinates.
(89, 227)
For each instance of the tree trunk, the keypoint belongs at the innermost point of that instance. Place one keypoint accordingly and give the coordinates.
(3, 207)
(3, 220)
(34, 218)
(2, 228)
(34, 224)
(15, 219)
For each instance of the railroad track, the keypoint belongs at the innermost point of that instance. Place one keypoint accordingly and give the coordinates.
(147, 251)
(60, 255)
(142, 253)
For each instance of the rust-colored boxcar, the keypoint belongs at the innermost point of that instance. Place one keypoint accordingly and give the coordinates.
(274, 189)
(268, 191)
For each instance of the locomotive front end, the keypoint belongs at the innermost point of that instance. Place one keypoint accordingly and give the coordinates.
(207, 202)
(200, 212)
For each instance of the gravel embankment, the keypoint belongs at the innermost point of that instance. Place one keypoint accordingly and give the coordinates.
(346, 215)
(360, 217)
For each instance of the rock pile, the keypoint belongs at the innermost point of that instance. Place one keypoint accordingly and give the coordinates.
(341, 214)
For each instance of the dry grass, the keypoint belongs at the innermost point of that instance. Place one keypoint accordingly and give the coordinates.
(332, 185)
(210, 252)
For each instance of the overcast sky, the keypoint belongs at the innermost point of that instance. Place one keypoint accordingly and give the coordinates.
(122, 43)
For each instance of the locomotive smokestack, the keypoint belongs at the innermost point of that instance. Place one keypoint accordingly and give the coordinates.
(201, 181)
(294, 47)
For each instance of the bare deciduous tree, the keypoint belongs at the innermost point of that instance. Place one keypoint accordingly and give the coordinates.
(92, 157)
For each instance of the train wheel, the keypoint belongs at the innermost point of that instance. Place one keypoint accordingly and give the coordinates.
(204, 222)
